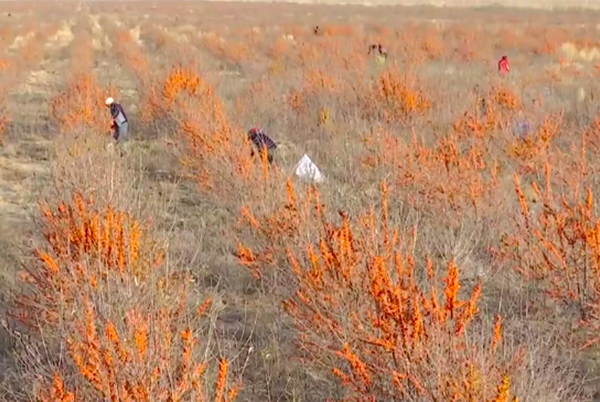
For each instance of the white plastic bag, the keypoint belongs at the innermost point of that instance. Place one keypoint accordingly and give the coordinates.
(307, 170)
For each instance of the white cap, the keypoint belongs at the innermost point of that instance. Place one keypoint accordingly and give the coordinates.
(109, 101)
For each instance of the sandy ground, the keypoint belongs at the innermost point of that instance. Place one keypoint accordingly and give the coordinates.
(537, 4)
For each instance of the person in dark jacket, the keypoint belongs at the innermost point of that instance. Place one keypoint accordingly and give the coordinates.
(120, 123)
(262, 143)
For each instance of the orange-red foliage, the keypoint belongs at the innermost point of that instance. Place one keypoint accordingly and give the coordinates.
(232, 51)
(81, 105)
(99, 286)
(3, 122)
(86, 245)
(82, 50)
(557, 246)
(533, 150)
(140, 360)
(361, 308)
(452, 177)
(397, 98)
(132, 55)
(276, 229)
(4, 64)
(216, 151)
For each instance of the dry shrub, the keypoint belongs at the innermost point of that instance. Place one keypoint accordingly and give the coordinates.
(272, 230)
(82, 50)
(109, 315)
(149, 387)
(445, 180)
(544, 40)
(364, 313)
(312, 101)
(482, 121)
(396, 98)
(278, 50)
(533, 150)
(337, 30)
(491, 114)
(183, 81)
(88, 163)
(215, 151)
(162, 97)
(230, 51)
(4, 64)
(26, 58)
(159, 37)
(555, 248)
(454, 177)
(179, 81)
(506, 98)
(432, 45)
(130, 54)
(76, 231)
(99, 266)
(3, 118)
(32, 52)
(81, 105)
(6, 36)
(468, 43)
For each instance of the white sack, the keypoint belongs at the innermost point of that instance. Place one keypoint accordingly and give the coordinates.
(307, 170)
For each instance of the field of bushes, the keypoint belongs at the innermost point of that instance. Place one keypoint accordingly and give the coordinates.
(451, 253)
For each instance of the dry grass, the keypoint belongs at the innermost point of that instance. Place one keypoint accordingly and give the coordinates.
(452, 252)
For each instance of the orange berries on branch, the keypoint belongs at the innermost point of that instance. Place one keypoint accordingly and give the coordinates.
(139, 358)
(100, 287)
(396, 98)
(85, 247)
(557, 246)
(362, 310)
(81, 105)
(216, 151)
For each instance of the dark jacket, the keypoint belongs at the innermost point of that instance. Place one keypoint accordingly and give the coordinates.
(260, 139)
(379, 49)
(118, 114)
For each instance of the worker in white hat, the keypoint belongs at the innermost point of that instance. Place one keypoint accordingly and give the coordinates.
(120, 123)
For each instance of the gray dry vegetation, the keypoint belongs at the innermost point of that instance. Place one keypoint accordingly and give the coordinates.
(245, 322)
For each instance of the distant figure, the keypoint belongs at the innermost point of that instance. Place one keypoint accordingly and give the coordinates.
(503, 65)
(382, 51)
(120, 123)
(262, 142)
(317, 30)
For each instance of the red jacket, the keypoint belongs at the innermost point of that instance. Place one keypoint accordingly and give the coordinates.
(503, 66)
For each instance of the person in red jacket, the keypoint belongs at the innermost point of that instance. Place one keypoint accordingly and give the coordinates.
(503, 66)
